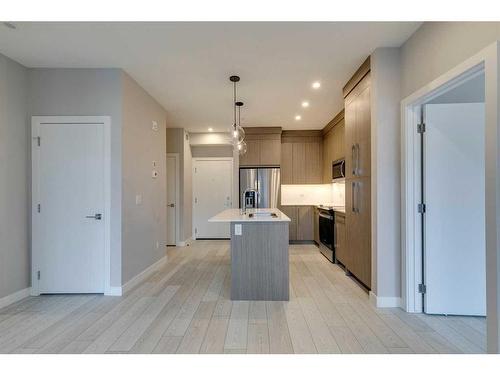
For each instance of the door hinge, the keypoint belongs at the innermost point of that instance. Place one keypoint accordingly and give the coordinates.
(195, 230)
(421, 128)
(421, 208)
(38, 275)
(39, 207)
(195, 170)
(422, 288)
(195, 200)
(38, 140)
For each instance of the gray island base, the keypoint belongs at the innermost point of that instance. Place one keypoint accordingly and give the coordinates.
(259, 256)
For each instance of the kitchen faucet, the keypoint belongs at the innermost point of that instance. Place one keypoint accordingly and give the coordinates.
(243, 203)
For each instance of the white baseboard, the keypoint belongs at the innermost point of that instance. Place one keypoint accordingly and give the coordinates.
(113, 291)
(184, 243)
(382, 302)
(143, 275)
(14, 297)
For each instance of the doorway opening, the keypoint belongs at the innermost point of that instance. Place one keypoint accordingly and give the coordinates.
(173, 198)
(443, 199)
(212, 193)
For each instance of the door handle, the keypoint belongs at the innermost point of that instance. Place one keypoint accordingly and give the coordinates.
(171, 205)
(357, 159)
(96, 217)
(353, 159)
(353, 186)
(358, 185)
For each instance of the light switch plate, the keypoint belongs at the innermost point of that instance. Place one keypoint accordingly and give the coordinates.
(138, 199)
(154, 126)
(237, 229)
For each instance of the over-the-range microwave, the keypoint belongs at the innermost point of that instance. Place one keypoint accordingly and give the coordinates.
(338, 169)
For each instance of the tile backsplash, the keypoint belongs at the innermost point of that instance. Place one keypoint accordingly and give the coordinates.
(338, 193)
(311, 195)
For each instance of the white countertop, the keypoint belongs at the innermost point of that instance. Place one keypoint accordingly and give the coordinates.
(233, 214)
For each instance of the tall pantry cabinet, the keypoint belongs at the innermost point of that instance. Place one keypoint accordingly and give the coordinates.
(358, 172)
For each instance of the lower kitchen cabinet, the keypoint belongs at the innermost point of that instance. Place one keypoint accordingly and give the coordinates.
(341, 250)
(316, 225)
(301, 227)
(358, 225)
(305, 223)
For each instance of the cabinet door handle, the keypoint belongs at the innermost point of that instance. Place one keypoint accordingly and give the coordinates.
(358, 185)
(353, 159)
(357, 159)
(353, 186)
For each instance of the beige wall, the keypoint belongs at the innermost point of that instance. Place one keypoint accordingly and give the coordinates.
(436, 47)
(143, 225)
(15, 167)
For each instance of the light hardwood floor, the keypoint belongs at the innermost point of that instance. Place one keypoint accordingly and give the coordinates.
(185, 308)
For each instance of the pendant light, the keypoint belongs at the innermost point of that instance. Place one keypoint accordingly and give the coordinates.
(242, 145)
(237, 132)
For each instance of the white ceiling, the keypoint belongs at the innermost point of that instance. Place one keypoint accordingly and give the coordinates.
(186, 66)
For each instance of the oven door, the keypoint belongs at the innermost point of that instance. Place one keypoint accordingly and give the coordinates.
(326, 235)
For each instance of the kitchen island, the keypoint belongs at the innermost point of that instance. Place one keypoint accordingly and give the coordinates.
(259, 253)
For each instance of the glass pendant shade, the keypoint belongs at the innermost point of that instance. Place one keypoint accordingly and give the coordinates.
(238, 134)
(242, 147)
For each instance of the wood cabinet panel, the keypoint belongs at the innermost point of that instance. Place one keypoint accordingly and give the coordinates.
(327, 157)
(252, 156)
(350, 138)
(305, 223)
(286, 163)
(363, 122)
(313, 151)
(291, 212)
(299, 163)
(363, 258)
(316, 225)
(341, 251)
(270, 152)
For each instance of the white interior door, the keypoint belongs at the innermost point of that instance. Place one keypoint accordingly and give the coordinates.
(70, 235)
(454, 194)
(213, 186)
(171, 199)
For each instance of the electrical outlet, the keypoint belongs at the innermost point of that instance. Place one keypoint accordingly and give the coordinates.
(237, 229)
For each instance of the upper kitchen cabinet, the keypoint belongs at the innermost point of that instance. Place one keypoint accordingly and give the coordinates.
(263, 147)
(333, 145)
(301, 157)
(357, 123)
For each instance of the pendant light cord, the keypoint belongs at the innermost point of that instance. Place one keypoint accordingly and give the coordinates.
(234, 105)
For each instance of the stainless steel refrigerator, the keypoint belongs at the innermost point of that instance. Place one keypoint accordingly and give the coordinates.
(266, 181)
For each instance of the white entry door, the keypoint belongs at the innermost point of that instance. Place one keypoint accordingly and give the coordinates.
(454, 221)
(171, 199)
(69, 229)
(212, 187)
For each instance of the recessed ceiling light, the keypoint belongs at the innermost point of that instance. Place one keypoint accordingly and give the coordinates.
(305, 104)
(298, 117)
(210, 129)
(316, 85)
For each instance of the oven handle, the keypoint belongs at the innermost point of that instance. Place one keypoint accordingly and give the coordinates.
(329, 217)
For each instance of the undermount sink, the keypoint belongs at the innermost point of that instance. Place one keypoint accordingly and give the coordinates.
(262, 214)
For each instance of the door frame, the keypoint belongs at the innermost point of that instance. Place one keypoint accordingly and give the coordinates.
(487, 62)
(175, 155)
(36, 122)
(194, 160)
